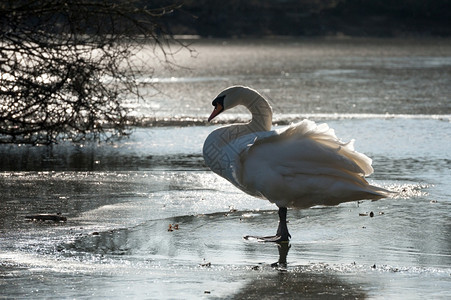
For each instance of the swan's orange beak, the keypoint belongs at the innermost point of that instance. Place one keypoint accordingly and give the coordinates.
(218, 109)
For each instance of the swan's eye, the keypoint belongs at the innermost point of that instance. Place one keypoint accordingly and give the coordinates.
(219, 100)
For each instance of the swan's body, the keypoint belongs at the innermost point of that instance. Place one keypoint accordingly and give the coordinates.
(299, 166)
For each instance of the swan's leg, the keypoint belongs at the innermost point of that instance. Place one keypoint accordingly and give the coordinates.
(282, 234)
(282, 230)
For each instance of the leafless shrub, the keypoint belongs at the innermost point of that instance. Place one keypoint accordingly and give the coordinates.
(65, 66)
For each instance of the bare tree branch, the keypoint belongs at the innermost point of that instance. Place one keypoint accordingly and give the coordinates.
(66, 67)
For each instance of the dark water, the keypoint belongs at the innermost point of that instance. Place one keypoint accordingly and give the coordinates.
(392, 96)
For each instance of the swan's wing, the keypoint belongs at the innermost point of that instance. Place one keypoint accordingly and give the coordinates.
(305, 165)
(323, 134)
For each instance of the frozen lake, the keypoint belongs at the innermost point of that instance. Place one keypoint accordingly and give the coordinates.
(391, 96)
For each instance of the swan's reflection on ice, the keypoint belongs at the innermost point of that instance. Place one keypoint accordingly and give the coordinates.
(283, 253)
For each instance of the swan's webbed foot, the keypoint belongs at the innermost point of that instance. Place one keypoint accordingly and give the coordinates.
(270, 239)
(282, 235)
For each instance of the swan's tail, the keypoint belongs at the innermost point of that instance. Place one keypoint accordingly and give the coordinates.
(380, 193)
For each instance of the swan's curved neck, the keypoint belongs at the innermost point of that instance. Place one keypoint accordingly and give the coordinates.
(261, 114)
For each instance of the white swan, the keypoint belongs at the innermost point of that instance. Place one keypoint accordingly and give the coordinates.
(299, 166)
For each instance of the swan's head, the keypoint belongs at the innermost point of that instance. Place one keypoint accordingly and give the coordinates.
(230, 98)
